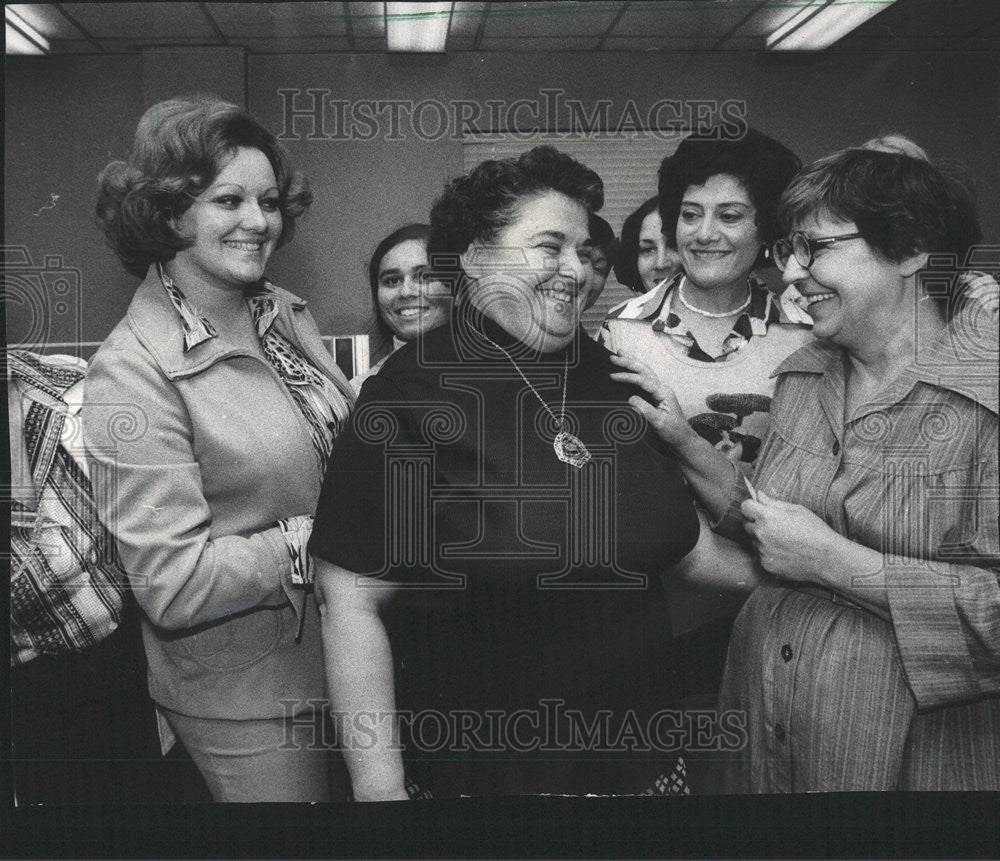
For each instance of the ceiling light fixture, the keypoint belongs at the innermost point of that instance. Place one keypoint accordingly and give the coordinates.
(417, 27)
(22, 38)
(820, 23)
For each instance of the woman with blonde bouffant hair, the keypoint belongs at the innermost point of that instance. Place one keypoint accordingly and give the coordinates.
(238, 403)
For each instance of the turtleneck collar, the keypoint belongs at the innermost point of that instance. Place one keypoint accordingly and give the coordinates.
(470, 324)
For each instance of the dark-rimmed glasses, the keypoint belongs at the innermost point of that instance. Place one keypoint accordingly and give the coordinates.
(804, 247)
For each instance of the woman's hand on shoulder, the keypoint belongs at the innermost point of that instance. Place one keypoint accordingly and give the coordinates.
(662, 410)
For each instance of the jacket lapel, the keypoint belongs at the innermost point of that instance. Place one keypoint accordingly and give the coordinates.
(156, 324)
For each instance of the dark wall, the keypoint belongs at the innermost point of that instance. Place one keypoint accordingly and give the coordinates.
(66, 117)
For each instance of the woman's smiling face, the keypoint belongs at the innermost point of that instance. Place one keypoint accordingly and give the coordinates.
(853, 294)
(408, 302)
(235, 224)
(717, 234)
(532, 279)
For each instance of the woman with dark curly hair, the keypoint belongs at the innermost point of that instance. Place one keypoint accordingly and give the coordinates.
(486, 565)
(235, 404)
(715, 332)
(869, 658)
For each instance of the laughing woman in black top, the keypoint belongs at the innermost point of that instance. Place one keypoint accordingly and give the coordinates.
(504, 510)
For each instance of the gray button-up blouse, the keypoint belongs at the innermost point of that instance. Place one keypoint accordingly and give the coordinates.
(836, 697)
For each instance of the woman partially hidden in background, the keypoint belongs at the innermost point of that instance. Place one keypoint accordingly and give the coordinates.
(645, 260)
(406, 299)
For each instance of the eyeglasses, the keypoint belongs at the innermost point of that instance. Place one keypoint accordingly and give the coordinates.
(804, 247)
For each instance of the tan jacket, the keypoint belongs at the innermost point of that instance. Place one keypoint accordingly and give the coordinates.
(196, 455)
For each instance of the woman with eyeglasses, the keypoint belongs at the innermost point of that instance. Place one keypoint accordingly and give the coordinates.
(870, 658)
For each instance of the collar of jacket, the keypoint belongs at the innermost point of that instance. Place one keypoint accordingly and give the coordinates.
(961, 359)
(157, 325)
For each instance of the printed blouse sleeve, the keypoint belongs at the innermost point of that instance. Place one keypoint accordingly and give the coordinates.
(606, 336)
(148, 489)
(295, 532)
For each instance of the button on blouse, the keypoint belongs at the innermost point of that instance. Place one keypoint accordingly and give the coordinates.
(911, 701)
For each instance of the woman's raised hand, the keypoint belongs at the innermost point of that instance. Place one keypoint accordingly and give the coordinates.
(664, 413)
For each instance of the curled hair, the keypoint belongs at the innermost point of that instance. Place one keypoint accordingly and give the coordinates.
(418, 232)
(180, 146)
(902, 205)
(477, 206)
(627, 265)
(762, 166)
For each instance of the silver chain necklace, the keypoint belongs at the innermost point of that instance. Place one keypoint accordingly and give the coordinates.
(568, 447)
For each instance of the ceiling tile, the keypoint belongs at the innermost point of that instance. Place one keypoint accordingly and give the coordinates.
(45, 18)
(907, 18)
(370, 43)
(767, 19)
(550, 19)
(295, 44)
(521, 43)
(460, 43)
(78, 46)
(741, 42)
(703, 18)
(465, 19)
(660, 43)
(280, 20)
(367, 19)
(146, 22)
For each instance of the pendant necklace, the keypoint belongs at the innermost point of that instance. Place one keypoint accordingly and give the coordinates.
(568, 447)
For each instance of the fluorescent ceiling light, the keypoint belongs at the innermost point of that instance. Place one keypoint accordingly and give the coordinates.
(820, 23)
(22, 38)
(417, 26)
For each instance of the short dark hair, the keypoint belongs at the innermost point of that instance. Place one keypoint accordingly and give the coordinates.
(762, 165)
(408, 232)
(478, 205)
(180, 146)
(902, 205)
(627, 265)
(602, 236)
